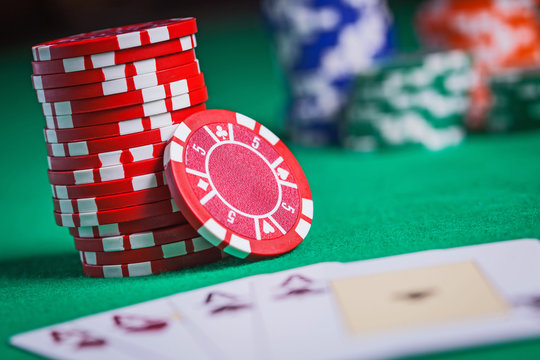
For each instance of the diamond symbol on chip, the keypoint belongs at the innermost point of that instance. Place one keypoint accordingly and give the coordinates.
(267, 228)
(220, 132)
(282, 173)
(202, 184)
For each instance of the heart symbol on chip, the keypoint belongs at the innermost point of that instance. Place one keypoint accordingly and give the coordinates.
(267, 228)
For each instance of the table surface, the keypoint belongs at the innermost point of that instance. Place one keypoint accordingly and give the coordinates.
(366, 206)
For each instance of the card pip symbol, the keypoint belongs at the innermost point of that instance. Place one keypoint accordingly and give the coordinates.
(416, 295)
(298, 285)
(80, 338)
(221, 302)
(137, 323)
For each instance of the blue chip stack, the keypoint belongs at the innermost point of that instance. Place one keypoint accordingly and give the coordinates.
(321, 45)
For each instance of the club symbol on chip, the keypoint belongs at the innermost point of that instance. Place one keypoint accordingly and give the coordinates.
(223, 303)
(81, 338)
(138, 323)
(220, 133)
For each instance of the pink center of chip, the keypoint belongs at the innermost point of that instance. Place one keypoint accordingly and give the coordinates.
(243, 179)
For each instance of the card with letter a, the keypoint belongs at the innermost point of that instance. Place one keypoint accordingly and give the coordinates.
(404, 305)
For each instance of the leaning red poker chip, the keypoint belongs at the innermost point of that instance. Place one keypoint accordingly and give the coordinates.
(112, 144)
(118, 86)
(258, 207)
(140, 240)
(102, 203)
(129, 227)
(112, 158)
(123, 37)
(110, 58)
(105, 174)
(154, 266)
(108, 73)
(159, 92)
(141, 182)
(116, 215)
(166, 251)
(124, 113)
(77, 139)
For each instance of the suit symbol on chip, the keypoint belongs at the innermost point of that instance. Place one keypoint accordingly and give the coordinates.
(282, 173)
(267, 228)
(220, 132)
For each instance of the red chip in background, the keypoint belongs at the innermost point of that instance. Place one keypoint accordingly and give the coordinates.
(238, 184)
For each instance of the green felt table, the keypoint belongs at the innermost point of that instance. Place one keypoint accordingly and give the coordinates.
(366, 206)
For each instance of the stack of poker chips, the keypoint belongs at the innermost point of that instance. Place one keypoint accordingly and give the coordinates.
(321, 46)
(412, 100)
(515, 101)
(112, 99)
(500, 35)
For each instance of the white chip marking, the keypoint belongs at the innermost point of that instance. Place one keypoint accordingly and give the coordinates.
(130, 126)
(208, 196)
(90, 257)
(231, 132)
(102, 59)
(176, 152)
(78, 148)
(142, 182)
(302, 228)
(87, 205)
(240, 243)
(37, 81)
(196, 172)
(182, 132)
(140, 269)
(307, 208)
(181, 102)
(115, 243)
(154, 107)
(114, 86)
(85, 176)
(286, 183)
(73, 64)
(211, 134)
(129, 40)
(110, 158)
(112, 173)
(145, 80)
(145, 66)
(158, 34)
(276, 162)
(60, 191)
(179, 87)
(114, 72)
(245, 121)
(174, 249)
(257, 229)
(268, 135)
(62, 107)
(153, 93)
(112, 271)
(203, 184)
(64, 122)
(161, 120)
(211, 230)
(185, 43)
(58, 150)
(281, 229)
(200, 244)
(66, 206)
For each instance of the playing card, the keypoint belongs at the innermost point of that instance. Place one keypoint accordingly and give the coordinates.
(156, 326)
(225, 313)
(75, 342)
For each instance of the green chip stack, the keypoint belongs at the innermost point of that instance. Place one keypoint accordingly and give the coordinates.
(515, 101)
(413, 100)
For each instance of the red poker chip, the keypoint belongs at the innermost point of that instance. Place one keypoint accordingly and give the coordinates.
(142, 240)
(238, 185)
(116, 215)
(174, 103)
(112, 158)
(165, 251)
(79, 137)
(123, 37)
(112, 144)
(128, 227)
(105, 174)
(114, 72)
(154, 266)
(141, 182)
(110, 58)
(101, 203)
(118, 86)
(159, 92)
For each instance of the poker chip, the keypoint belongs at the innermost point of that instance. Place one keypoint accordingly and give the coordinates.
(141, 182)
(122, 113)
(140, 240)
(129, 227)
(110, 58)
(106, 174)
(118, 38)
(112, 158)
(140, 126)
(115, 215)
(203, 257)
(165, 251)
(256, 207)
(114, 72)
(118, 86)
(68, 206)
